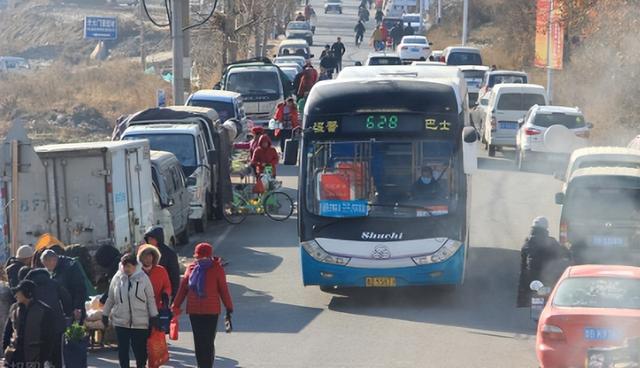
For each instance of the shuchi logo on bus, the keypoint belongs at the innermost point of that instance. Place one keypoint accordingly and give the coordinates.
(370, 235)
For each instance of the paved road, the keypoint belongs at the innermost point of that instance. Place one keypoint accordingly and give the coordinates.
(279, 323)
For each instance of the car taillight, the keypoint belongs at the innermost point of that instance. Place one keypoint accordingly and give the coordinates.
(405, 48)
(564, 231)
(551, 332)
(442, 59)
(531, 131)
(493, 123)
(583, 134)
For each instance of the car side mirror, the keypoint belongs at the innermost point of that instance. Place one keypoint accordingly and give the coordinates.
(430, 43)
(559, 198)
(470, 150)
(311, 56)
(217, 86)
(484, 102)
(520, 122)
(536, 285)
(590, 125)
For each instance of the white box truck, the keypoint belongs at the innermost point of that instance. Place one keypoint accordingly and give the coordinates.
(94, 193)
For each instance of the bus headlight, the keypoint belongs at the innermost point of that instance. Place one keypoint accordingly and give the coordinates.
(313, 248)
(445, 252)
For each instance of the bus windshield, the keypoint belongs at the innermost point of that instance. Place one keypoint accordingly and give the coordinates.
(391, 178)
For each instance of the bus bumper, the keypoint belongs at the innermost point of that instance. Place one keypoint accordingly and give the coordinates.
(449, 272)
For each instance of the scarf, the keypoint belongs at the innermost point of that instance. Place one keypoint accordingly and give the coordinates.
(196, 279)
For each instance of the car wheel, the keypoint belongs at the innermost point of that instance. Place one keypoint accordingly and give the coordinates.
(492, 150)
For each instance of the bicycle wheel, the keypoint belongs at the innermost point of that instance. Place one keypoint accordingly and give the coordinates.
(278, 206)
(236, 211)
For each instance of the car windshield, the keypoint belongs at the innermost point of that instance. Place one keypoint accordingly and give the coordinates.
(181, 145)
(411, 18)
(598, 292)
(415, 40)
(571, 121)
(473, 74)
(464, 58)
(593, 203)
(519, 101)
(224, 109)
(298, 25)
(376, 178)
(254, 83)
(385, 60)
(505, 78)
(290, 73)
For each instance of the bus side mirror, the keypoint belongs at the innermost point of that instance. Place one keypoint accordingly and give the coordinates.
(559, 198)
(470, 150)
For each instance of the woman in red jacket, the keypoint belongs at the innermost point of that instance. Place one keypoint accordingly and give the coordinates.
(203, 285)
(149, 256)
(287, 114)
(264, 155)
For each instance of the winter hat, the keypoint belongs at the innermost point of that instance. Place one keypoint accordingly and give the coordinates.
(27, 288)
(540, 222)
(25, 251)
(203, 250)
(47, 254)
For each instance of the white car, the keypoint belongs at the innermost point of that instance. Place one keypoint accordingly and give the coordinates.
(414, 48)
(300, 60)
(383, 58)
(333, 6)
(301, 30)
(507, 104)
(533, 141)
(412, 19)
(473, 75)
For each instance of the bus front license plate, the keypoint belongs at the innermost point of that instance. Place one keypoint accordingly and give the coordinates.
(380, 281)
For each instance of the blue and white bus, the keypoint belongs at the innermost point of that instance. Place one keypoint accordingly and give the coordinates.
(365, 146)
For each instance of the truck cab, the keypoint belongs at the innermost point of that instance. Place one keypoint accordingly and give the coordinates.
(261, 84)
(187, 143)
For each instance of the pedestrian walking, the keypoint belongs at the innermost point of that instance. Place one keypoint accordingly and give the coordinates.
(325, 51)
(204, 284)
(28, 336)
(168, 257)
(408, 30)
(359, 29)
(51, 293)
(328, 64)
(379, 15)
(338, 51)
(67, 272)
(396, 32)
(308, 77)
(132, 310)
(377, 39)
(23, 257)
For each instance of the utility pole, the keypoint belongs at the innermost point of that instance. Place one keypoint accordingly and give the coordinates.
(186, 45)
(465, 21)
(421, 12)
(143, 55)
(439, 14)
(549, 70)
(178, 52)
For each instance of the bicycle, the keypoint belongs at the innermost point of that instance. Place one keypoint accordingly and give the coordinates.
(277, 205)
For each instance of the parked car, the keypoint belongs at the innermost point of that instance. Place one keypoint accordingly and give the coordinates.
(300, 60)
(294, 48)
(473, 75)
(437, 55)
(414, 48)
(462, 55)
(187, 143)
(493, 77)
(412, 19)
(533, 140)
(170, 182)
(291, 70)
(506, 105)
(301, 30)
(428, 63)
(599, 217)
(334, 6)
(12, 64)
(590, 306)
(383, 58)
(229, 106)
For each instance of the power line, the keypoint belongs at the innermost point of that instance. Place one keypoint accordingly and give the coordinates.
(205, 20)
(157, 24)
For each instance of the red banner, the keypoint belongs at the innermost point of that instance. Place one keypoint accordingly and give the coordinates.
(556, 37)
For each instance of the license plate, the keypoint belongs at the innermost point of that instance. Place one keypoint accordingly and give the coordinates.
(607, 241)
(591, 333)
(380, 281)
(508, 125)
(413, 49)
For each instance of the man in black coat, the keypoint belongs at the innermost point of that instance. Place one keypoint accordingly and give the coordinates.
(23, 257)
(409, 31)
(51, 293)
(28, 338)
(67, 272)
(338, 51)
(168, 257)
(541, 258)
(328, 63)
(396, 34)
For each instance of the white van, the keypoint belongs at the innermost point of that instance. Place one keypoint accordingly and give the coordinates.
(601, 156)
(508, 103)
(187, 143)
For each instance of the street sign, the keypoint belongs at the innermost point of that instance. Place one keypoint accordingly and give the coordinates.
(101, 28)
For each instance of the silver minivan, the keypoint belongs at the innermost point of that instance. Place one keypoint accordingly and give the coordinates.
(169, 180)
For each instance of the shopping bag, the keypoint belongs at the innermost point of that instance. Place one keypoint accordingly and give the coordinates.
(164, 315)
(259, 187)
(157, 348)
(174, 328)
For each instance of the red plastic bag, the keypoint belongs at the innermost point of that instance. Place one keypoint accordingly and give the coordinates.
(174, 328)
(259, 187)
(157, 349)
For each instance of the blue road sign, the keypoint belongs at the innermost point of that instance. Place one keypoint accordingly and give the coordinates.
(101, 28)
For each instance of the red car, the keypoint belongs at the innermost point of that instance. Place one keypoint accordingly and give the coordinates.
(591, 306)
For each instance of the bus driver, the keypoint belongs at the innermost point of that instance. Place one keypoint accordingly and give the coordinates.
(426, 187)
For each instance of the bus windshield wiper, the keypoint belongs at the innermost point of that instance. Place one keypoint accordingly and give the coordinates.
(397, 205)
